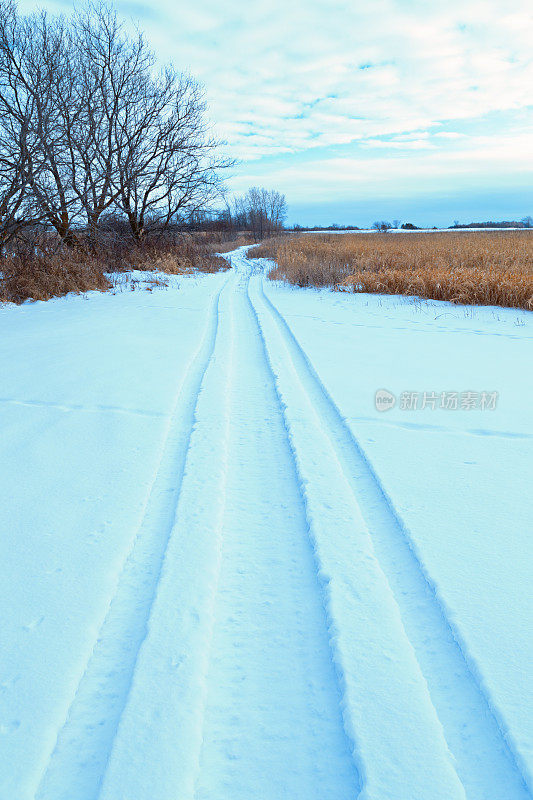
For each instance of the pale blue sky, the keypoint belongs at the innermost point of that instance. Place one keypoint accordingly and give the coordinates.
(414, 109)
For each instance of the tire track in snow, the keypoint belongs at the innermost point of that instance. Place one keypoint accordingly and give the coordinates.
(316, 558)
(156, 749)
(385, 701)
(78, 760)
(270, 664)
(484, 759)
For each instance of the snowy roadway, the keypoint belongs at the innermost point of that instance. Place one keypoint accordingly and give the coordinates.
(224, 575)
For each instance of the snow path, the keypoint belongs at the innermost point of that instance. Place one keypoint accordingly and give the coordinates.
(255, 657)
(263, 624)
(271, 679)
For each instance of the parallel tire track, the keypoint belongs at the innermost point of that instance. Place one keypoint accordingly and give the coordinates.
(79, 757)
(313, 544)
(473, 730)
(155, 751)
(368, 645)
(270, 623)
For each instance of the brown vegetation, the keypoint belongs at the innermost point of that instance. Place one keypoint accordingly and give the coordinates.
(223, 242)
(42, 275)
(40, 268)
(485, 268)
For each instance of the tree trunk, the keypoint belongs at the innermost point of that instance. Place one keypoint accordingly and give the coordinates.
(62, 226)
(137, 227)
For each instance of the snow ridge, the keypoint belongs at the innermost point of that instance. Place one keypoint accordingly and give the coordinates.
(83, 746)
(470, 729)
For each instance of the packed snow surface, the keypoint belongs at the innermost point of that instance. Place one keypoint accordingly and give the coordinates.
(227, 573)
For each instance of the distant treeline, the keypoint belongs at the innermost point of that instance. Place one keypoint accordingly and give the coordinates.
(333, 227)
(384, 226)
(526, 222)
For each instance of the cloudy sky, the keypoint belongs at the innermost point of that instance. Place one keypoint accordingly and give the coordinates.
(410, 109)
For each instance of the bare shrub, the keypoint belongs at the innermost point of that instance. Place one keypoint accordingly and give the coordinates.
(187, 253)
(223, 245)
(40, 266)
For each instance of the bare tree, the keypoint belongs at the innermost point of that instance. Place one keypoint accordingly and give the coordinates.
(170, 166)
(89, 127)
(15, 115)
(276, 206)
(262, 210)
(42, 69)
(13, 181)
(382, 226)
(106, 68)
(29, 132)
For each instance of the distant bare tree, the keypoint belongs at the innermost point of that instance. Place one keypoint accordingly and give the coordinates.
(262, 210)
(527, 222)
(382, 226)
(256, 211)
(276, 207)
(239, 213)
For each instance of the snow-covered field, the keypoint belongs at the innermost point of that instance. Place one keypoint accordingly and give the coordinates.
(225, 575)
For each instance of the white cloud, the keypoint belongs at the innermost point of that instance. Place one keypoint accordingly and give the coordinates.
(407, 76)
(478, 162)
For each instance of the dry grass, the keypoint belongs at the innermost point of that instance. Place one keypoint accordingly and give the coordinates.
(221, 245)
(484, 268)
(40, 269)
(41, 276)
(189, 253)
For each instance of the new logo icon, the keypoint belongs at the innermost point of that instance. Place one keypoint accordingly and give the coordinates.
(384, 400)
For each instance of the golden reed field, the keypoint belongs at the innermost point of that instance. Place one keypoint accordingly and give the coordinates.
(479, 268)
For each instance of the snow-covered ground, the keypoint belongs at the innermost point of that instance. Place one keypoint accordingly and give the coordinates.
(225, 575)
